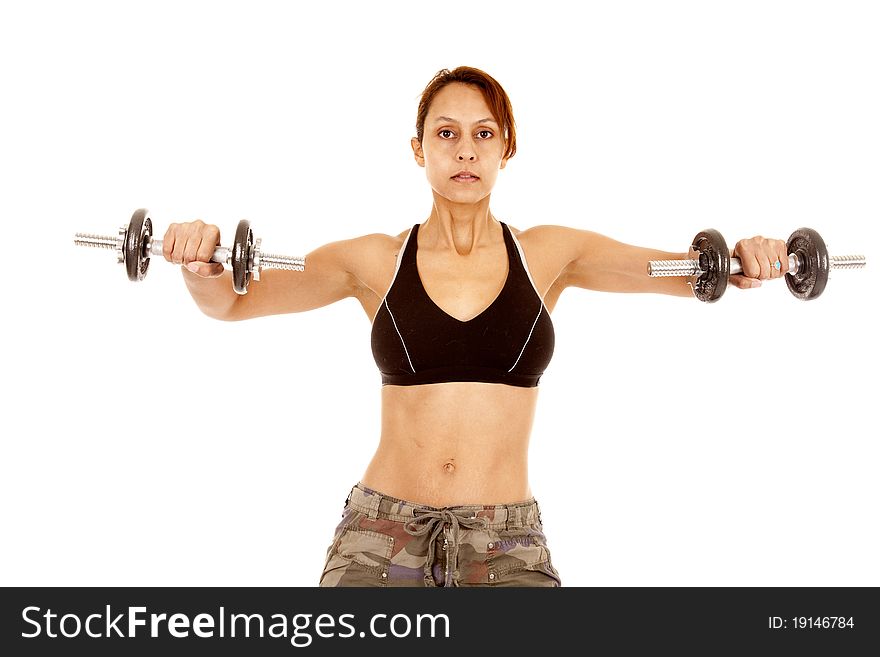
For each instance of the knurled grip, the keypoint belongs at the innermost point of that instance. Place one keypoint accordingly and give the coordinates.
(659, 268)
(134, 245)
(221, 253)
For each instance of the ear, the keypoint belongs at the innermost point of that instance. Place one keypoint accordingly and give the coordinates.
(417, 151)
(503, 163)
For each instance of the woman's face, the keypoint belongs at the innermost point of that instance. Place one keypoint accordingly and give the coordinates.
(460, 134)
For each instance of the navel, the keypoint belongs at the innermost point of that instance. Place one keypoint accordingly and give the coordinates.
(449, 466)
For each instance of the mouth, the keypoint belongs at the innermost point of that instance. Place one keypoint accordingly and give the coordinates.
(465, 177)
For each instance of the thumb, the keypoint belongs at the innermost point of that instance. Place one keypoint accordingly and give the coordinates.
(744, 283)
(205, 269)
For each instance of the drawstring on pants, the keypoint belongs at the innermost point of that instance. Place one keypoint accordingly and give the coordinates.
(433, 521)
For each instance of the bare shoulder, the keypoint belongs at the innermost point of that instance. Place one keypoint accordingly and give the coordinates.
(548, 250)
(564, 245)
(372, 258)
(548, 245)
(550, 236)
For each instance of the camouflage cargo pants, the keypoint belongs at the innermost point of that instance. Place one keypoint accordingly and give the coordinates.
(385, 541)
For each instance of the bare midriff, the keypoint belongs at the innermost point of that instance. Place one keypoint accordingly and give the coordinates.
(447, 444)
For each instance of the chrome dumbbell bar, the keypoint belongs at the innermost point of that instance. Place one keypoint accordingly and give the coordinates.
(134, 246)
(711, 265)
(692, 267)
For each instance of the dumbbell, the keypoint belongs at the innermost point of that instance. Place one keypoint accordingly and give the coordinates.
(134, 244)
(710, 265)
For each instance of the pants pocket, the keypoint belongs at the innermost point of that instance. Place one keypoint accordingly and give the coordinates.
(521, 558)
(358, 558)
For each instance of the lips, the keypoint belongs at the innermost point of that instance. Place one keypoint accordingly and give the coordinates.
(465, 176)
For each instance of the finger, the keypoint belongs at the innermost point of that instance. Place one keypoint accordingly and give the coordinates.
(775, 263)
(750, 265)
(168, 241)
(193, 240)
(191, 250)
(177, 248)
(210, 240)
(782, 255)
(765, 265)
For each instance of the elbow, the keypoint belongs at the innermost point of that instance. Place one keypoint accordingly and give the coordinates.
(224, 317)
(229, 313)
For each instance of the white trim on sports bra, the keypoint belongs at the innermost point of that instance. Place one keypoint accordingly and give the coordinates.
(522, 258)
(385, 301)
(393, 278)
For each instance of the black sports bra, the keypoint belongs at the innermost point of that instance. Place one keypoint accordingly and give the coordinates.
(415, 342)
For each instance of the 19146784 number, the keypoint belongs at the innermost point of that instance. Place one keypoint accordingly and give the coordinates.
(811, 622)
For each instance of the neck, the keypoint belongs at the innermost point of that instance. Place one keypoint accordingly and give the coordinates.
(458, 228)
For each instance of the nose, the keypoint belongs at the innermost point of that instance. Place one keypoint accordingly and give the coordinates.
(466, 151)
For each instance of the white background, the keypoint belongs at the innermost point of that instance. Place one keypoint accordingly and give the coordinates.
(675, 442)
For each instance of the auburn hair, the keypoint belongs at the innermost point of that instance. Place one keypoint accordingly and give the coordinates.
(496, 99)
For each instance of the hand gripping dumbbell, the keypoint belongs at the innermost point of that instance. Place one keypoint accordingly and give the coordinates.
(134, 245)
(710, 265)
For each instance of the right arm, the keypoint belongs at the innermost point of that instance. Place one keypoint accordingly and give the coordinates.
(327, 277)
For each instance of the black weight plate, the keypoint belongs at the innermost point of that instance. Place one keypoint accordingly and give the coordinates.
(138, 234)
(715, 260)
(810, 280)
(242, 256)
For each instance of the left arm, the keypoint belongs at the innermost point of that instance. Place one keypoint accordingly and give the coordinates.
(597, 262)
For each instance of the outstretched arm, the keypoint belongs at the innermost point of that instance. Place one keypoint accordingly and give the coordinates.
(327, 277)
(597, 262)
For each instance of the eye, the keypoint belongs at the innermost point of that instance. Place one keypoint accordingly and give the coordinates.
(442, 131)
(488, 133)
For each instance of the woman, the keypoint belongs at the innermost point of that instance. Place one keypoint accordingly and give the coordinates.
(461, 332)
